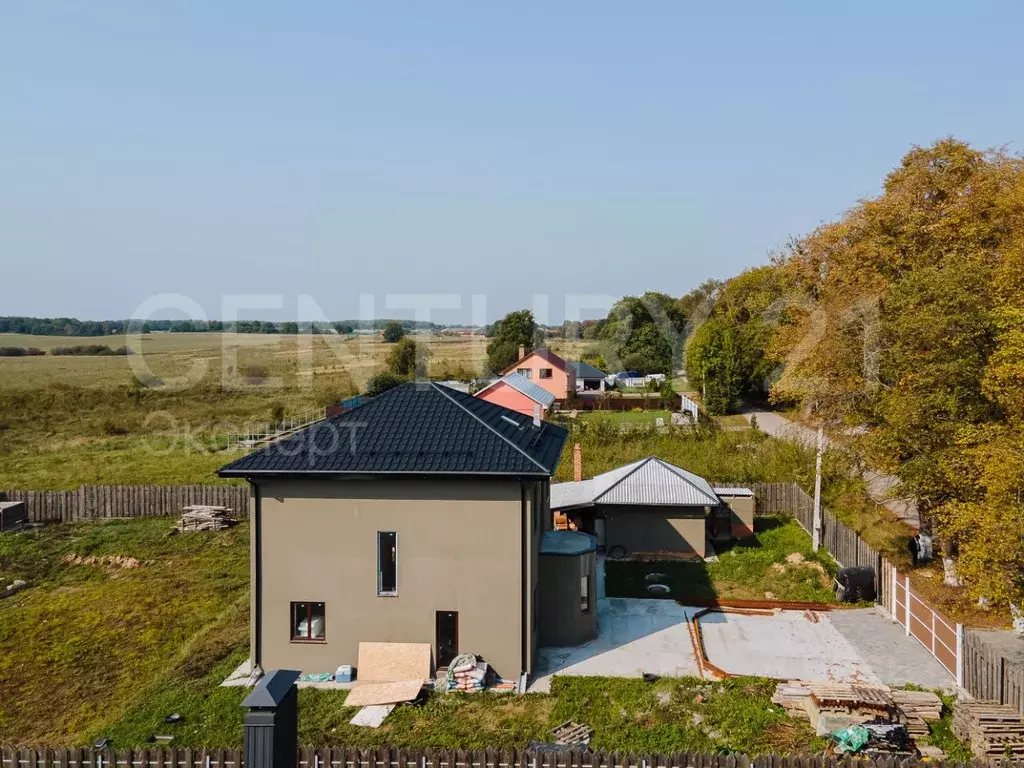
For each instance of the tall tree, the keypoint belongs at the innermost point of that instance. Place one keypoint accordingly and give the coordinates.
(517, 329)
(393, 332)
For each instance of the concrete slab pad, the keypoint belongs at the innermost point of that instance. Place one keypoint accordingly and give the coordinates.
(786, 645)
(634, 636)
(896, 658)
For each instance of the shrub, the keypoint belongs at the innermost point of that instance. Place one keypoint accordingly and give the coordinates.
(20, 352)
(393, 332)
(101, 350)
(382, 382)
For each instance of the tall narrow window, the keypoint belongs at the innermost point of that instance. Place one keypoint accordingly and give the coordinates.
(387, 563)
(585, 593)
(308, 622)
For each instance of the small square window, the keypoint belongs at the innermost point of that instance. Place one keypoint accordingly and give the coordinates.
(545, 373)
(527, 372)
(308, 622)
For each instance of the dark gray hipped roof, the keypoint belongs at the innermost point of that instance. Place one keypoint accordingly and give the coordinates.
(418, 428)
(587, 371)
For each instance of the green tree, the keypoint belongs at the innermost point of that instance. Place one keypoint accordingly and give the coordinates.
(344, 328)
(407, 358)
(393, 332)
(289, 328)
(714, 366)
(382, 382)
(901, 320)
(517, 329)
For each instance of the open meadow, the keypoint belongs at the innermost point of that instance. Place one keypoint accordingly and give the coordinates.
(162, 414)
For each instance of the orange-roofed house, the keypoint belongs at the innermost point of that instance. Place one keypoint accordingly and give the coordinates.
(518, 393)
(547, 370)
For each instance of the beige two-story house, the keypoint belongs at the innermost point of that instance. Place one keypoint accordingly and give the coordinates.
(416, 517)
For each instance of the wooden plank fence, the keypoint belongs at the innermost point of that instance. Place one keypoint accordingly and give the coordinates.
(385, 757)
(988, 674)
(92, 502)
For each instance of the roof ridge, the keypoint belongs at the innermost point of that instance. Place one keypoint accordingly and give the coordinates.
(672, 468)
(440, 389)
(617, 483)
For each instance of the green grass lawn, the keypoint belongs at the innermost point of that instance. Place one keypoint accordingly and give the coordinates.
(629, 715)
(625, 417)
(746, 570)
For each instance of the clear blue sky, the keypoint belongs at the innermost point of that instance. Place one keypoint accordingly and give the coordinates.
(341, 148)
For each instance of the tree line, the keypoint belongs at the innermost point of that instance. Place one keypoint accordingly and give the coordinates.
(901, 327)
(69, 326)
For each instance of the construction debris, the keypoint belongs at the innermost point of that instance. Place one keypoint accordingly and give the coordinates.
(993, 730)
(202, 517)
(372, 716)
(389, 673)
(832, 707)
(469, 674)
(572, 734)
(919, 708)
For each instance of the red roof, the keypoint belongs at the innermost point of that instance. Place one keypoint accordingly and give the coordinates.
(544, 354)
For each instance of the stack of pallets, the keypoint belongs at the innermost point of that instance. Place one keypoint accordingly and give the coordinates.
(919, 708)
(993, 730)
(201, 517)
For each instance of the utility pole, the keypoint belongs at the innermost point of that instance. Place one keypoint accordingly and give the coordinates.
(816, 528)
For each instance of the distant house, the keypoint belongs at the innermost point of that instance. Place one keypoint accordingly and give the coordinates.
(588, 378)
(651, 508)
(545, 368)
(515, 391)
(420, 516)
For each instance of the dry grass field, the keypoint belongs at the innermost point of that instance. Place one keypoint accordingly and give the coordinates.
(162, 415)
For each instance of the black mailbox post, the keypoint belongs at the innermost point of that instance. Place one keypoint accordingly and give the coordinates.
(272, 722)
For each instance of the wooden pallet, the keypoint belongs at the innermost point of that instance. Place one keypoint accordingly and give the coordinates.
(993, 730)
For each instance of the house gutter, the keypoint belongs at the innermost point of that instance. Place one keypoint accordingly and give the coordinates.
(523, 586)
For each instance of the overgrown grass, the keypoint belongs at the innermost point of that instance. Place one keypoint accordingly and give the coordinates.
(96, 650)
(86, 643)
(719, 456)
(746, 570)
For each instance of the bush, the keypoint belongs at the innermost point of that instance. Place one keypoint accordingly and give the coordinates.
(382, 382)
(100, 350)
(20, 352)
(393, 332)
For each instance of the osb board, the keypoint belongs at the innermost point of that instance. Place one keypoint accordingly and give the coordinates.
(393, 662)
(367, 694)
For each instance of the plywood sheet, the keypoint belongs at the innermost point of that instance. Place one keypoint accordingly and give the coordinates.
(368, 694)
(393, 662)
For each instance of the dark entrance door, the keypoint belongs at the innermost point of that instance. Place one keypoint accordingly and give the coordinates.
(447, 637)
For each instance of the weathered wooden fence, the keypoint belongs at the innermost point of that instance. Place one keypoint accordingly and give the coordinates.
(384, 757)
(90, 502)
(988, 673)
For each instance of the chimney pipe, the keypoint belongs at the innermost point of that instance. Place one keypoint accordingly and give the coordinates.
(577, 463)
(522, 351)
(536, 415)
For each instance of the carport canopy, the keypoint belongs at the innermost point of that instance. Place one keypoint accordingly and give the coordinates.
(647, 482)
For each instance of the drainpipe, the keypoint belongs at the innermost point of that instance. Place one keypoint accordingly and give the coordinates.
(257, 585)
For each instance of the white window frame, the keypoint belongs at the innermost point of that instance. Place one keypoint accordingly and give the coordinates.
(380, 571)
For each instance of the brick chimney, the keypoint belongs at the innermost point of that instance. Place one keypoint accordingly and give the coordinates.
(522, 351)
(577, 463)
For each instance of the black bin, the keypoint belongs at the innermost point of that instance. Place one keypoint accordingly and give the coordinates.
(855, 584)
